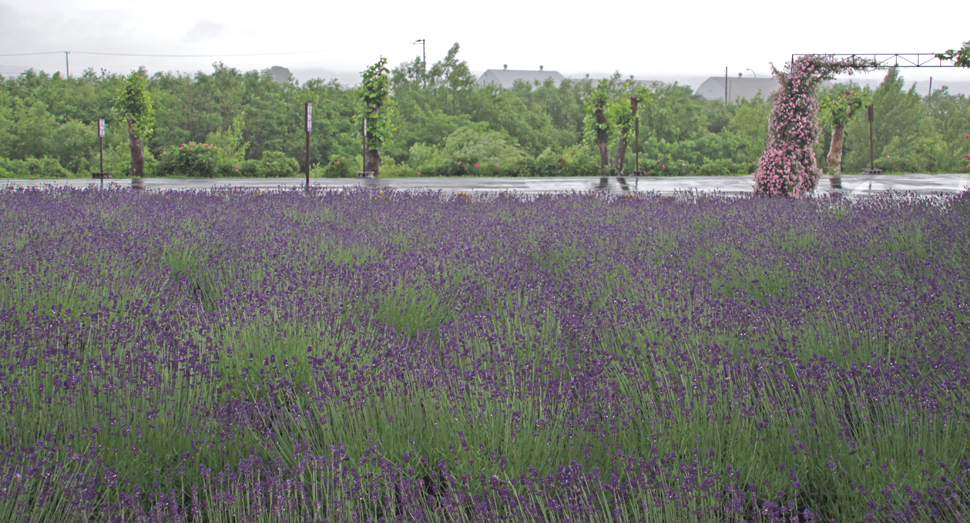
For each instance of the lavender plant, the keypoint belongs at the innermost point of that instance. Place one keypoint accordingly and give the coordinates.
(230, 355)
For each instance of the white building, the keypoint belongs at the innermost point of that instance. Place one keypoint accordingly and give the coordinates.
(737, 88)
(506, 77)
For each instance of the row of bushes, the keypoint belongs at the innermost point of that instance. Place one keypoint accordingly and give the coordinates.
(472, 151)
(192, 160)
(32, 168)
(201, 160)
(563, 167)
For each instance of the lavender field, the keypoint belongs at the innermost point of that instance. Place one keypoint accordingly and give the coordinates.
(345, 356)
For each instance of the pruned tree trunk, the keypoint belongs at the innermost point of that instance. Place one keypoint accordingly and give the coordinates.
(602, 140)
(372, 162)
(372, 157)
(835, 156)
(137, 146)
(621, 151)
(835, 152)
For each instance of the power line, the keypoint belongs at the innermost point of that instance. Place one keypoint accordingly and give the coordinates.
(170, 55)
(32, 54)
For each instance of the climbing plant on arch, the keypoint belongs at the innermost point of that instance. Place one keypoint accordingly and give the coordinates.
(788, 166)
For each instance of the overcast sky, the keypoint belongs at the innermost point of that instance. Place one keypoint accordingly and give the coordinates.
(650, 40)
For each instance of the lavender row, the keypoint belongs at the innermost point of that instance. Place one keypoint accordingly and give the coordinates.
(346, 356)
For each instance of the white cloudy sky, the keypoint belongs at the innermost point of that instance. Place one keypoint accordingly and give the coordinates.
(652, 40)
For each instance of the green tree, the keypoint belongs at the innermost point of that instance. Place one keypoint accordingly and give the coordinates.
(229, 146)
(596, 124)
(902, 130)
(418, 115)
(75, 145)
(373, 95)
(623, 113)
(611, 110)
(34, 129)
(452, 84)
(676, 114)
(512, 111)
(564, 105)
(135, 104)
(267, 113)
(7, 136)
(838, 106)
(749, 129)
(950, 115)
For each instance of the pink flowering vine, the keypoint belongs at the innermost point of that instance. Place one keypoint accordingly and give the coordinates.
(788, 166)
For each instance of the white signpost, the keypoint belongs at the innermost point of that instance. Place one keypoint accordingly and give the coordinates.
(309, 127)
(101, 139)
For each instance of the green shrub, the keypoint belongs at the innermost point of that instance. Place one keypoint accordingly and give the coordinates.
(276, 164)
(473, 150)
(192, 160)
(249, 169)
(230, 147)
(44, 167)
(228, 170)
(340, 167)
(575, 160)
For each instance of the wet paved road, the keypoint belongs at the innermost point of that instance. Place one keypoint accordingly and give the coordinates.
(851, 185)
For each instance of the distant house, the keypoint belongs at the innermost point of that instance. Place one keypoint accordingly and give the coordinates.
(737, 88)
(506, 77)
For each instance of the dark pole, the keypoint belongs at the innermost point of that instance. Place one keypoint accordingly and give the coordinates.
(872, 153)
(101, 139)
(636, 136)
(309, 125)
(424, 59)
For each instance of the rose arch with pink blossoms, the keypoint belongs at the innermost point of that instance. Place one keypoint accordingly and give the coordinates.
(788, 166)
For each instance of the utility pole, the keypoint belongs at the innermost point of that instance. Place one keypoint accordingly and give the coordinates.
(424, 59)
(636, 135)
(67, 61)
(725, 84)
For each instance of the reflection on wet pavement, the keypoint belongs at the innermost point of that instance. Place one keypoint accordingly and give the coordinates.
(851, 185)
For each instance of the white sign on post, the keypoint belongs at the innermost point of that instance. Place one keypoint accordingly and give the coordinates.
(101, 128)
(309, 117)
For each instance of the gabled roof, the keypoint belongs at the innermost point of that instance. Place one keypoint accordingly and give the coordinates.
(505, 78)
(737, 88)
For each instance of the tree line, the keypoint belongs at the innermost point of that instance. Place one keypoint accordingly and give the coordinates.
(439, 121)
